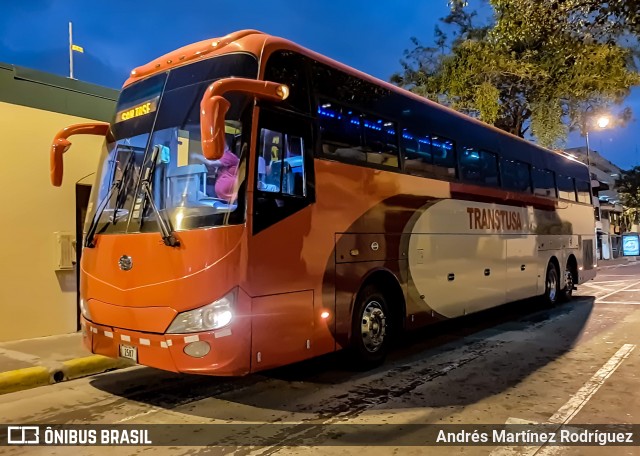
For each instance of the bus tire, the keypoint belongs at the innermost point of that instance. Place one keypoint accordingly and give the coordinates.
(551, 285)
(370, 329)
(568, 283)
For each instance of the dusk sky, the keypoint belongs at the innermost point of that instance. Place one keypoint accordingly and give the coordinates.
(119, 35)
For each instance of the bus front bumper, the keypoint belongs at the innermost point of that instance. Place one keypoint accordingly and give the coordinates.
(228, 350)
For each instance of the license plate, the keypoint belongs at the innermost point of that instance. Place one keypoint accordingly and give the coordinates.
(129, 352)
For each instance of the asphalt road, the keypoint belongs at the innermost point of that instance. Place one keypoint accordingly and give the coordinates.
(573, 364)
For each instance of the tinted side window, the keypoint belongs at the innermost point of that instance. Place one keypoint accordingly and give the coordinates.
(341, 132)
(426, 155)
(290, 68)
(584, 191)
(380, 141)
(444, 154)
(418, 158)
(347, 134)
(515, 175)
(479, 167)
(566, 188)
(544, 183)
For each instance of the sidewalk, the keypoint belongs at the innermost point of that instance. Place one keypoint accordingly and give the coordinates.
(617, 261)
(42, 361)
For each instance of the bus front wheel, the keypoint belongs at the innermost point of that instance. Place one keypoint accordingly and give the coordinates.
(551, 285)
(370, 331)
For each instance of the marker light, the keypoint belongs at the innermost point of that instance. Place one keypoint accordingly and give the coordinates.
(206, 318)
(324, 314)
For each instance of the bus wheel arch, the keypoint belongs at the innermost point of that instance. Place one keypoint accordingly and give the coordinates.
(377, 318)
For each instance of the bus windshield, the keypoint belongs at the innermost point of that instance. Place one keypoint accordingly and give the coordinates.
(162, 114)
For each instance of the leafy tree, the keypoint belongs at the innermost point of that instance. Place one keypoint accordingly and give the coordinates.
(541, 67)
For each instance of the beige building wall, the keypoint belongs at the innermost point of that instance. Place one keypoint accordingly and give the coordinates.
(35, 298)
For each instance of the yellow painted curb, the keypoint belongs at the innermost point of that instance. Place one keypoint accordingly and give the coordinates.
(26, 378)
(89, 365)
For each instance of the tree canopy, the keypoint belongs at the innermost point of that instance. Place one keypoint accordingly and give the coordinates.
(628, 187)
(540, 67)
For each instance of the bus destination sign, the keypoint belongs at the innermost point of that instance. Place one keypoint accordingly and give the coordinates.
(138, 110)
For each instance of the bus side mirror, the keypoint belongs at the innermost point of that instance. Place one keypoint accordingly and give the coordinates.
(213, 112)
(61, 144)
(214, 107)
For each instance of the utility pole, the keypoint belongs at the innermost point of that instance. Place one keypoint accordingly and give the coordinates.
(71, 50)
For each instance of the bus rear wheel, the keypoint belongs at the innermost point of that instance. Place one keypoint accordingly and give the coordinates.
(569, 283)
(551, 285)
(370, 331)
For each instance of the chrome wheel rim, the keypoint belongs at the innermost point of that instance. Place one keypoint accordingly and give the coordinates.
(552, 284)
(373, 326)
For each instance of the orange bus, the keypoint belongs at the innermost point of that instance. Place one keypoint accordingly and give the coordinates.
(257, 204)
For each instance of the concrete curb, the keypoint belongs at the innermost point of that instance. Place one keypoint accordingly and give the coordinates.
(32, 377)
(90, 365)
(26, 378)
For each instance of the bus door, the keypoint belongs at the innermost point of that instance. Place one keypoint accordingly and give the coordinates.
(279, 276)
(83, 194)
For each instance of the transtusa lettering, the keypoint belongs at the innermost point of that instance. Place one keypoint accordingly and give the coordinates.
(494, 219)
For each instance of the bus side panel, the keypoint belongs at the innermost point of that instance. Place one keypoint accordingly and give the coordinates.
(458, 274)
(282, 329)
(522, 267)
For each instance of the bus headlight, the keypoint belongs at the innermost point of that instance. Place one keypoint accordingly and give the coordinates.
(84, 309)
(212, 316)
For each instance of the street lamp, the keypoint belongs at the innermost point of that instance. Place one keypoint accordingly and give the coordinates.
(601, 122)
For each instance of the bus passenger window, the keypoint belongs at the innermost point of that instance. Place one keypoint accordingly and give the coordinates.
(417, 153)
(429, 156)
(566, 188)
(544, 183)
(515, 175)
(584, 191)
(444, 156)
(479, 167)
(341, 132)
(380, 141)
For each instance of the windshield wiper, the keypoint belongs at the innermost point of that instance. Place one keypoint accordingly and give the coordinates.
(165, 226)
(117, 185)
(120, 184)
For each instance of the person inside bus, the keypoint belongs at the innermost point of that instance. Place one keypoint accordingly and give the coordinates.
(226, 171)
